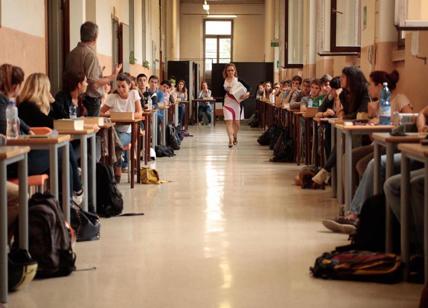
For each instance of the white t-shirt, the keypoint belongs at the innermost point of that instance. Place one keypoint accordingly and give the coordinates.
(399, 102)
(118, 104)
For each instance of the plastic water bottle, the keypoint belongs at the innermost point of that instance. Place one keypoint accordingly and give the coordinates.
(149, 103)
(310, 103)
(73, 112)
(385, 106)
(12, 120)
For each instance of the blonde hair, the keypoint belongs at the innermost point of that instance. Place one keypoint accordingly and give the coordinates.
(37, 90)
(226, 67)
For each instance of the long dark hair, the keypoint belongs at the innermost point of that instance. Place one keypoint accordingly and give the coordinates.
(356, 84)
(10, 76)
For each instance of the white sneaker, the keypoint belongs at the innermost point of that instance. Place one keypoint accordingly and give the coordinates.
(78, 197)
(321, 177)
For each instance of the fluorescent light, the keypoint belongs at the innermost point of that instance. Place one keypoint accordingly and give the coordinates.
(222, 16)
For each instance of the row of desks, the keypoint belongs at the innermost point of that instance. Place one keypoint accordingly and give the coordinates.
(342, 137)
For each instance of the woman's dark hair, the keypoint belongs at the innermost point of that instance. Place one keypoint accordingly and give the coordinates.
(10, 76)
(124, 77)
(356, 81)
(379, 77)
(70, 81)
(335, 83)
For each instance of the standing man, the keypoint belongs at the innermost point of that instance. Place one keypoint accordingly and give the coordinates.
(83, 58)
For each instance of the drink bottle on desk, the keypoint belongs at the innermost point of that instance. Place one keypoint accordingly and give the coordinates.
(12, 120)
(385, 106)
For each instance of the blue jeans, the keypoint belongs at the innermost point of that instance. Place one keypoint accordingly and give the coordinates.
(366, 188)
(204, 109)
(125, 139)
(181, 114)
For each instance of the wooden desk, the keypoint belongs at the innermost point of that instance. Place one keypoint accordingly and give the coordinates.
(297, 115)
(135, 156)
(8, 156)
(89, 184)
(53, 144)
(349, 132)
(209, 101)
(420, 153)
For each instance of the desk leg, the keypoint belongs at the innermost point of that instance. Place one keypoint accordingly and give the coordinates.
(376, 160)
(66, 181)
(388, 213)
(154, 129)
(23, 203)
(163, 133)
(426, 220)
(92, 174)
(213, 117)
(348, 171)
(3, 233)
(84, 166)
(132, 155)
(334, 170)
(53, 167)
(176, 114)
(339, 177)
(187, 115)
(147, 140)
(405, 194)
(139, 150)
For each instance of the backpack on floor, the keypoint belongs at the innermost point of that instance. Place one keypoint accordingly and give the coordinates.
(359, 266)
(266, 137)
(277, 132)
(21, 267)
(86, 225)
(370, 234)
(172, 138)
(50, 241)
(109, 198)
(164, 151)
(283, 150)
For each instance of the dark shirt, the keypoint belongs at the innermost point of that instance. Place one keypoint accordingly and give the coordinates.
(326, 104)
(25, 129)
(353, 104)
(60, 109)
(155, 98)
(30, 113)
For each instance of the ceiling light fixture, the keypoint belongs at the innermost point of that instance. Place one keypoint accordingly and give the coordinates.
(206, 6)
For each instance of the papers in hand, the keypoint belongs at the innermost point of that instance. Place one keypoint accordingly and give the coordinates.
(238, 91)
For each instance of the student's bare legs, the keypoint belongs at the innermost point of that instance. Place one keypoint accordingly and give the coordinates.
(236, 127)
(230, 130)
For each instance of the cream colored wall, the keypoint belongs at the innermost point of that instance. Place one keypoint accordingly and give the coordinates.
(248, 33)
(77, 17)
(26, 16)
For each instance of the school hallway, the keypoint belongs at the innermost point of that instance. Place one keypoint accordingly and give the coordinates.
(229, 231)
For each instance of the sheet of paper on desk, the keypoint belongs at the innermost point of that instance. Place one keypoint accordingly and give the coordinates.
(237, 91)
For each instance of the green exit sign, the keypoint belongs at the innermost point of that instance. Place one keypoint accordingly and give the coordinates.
(274, 44)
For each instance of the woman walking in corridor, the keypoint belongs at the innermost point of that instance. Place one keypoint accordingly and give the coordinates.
(236, 91)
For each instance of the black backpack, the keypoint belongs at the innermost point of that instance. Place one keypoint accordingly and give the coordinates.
(109, 198)
(86, 225)
(49, 237)
(276, 133)
(370, 234)
(164, 151)
(283, 151)
(265, 138)
(172, 138)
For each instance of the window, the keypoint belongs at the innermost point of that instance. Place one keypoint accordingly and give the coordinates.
(411, 15)
(218, 36)
(345, 26)
(293, 34)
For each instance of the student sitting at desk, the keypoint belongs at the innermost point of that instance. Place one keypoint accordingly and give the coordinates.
(315, 98)
(204, 108)
(182, 96)
(123, 100)
(34, 103)
(168, 99)
(66, 104)
(304, 95)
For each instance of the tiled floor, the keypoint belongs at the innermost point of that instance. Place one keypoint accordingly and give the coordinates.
(229, 231)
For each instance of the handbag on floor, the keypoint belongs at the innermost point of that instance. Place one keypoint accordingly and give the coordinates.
(359, 266)
(21, 269)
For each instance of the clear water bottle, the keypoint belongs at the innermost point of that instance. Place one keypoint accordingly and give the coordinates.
(12, 120)
(310, 103)
(149, 103)
(73, 111)
(385, 106)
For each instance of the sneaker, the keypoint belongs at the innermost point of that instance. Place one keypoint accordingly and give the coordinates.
(340, 225)
(321, 177)
(78, 197)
